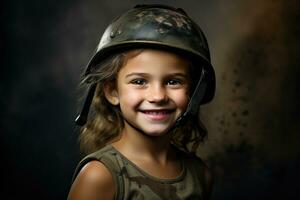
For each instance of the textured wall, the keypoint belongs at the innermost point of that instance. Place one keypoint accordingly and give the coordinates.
(253, 121)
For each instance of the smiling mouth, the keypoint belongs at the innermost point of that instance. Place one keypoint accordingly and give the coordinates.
(158, 114)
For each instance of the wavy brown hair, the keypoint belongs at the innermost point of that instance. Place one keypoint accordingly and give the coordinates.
(105, 121)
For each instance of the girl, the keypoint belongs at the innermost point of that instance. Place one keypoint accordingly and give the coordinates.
(150, 74)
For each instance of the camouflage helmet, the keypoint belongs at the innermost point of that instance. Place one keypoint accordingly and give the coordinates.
(162, 27)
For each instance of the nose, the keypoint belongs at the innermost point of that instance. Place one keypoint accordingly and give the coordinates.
(157, 94)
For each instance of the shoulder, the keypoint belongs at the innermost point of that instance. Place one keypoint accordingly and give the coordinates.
(103, 155)
(200, 169)
(94, 181)
(95, 172)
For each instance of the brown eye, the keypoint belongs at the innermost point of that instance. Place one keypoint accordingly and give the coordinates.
(174, 82)
(138, 82)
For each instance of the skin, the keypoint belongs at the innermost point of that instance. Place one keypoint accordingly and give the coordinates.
(152, 92)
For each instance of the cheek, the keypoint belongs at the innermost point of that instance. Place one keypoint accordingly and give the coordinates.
(181, 99)
(128, 97)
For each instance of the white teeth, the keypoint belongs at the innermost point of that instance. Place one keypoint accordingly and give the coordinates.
(155, 112)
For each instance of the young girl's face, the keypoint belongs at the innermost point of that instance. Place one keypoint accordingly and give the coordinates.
(152, 90)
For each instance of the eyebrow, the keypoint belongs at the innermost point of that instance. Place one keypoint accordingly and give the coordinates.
(136, 74)
(147, 75)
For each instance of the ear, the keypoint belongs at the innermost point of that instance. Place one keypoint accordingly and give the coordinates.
(111, 93)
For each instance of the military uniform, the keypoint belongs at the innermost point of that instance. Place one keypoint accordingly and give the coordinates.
(134, 183)
(165, 28)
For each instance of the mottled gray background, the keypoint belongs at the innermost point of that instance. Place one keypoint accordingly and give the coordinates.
(253, 122)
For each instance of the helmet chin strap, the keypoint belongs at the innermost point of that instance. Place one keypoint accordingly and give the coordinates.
(193, 106)
(81, 119)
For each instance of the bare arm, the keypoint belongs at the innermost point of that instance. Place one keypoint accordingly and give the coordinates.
(94, 182)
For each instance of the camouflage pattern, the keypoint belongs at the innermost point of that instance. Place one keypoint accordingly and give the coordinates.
(133, 183)
(157, 26)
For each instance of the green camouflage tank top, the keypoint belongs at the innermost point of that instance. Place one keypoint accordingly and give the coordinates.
(132, 183)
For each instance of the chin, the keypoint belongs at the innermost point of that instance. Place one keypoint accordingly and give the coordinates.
(156, 133)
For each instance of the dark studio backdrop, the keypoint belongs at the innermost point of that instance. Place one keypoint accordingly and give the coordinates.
(253, 122)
